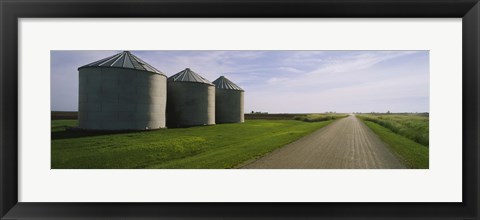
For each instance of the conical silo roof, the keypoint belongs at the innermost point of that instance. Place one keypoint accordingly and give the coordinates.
(223, 83)
(124, 59)
(187, 75)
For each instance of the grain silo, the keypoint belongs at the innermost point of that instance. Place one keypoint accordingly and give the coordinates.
(121, 92)
(228, 101)
(190, 101)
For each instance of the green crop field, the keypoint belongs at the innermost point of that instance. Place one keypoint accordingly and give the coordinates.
(406, 134)
(411, 126)
(319, 117)
(217, 146)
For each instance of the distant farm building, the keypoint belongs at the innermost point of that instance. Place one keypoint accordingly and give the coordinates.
(121, 92)
(190, 100)
(228, 101)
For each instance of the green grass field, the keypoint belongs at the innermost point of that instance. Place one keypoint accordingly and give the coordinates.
(218, 146)
(412, 154)
(406, 134)
(412, 126)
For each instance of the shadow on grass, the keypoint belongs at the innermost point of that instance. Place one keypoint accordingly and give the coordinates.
(68, 134)
(73, 132)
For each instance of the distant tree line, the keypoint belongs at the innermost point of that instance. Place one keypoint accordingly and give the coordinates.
(397, 113)
(259, 113)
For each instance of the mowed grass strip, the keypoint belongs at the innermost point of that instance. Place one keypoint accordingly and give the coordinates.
(218, 146)
(412, 154)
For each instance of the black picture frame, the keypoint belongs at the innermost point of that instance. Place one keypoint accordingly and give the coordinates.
(12, 10)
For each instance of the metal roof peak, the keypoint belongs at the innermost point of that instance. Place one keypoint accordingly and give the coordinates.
(125, 60)
(223, 83)
(188, 75)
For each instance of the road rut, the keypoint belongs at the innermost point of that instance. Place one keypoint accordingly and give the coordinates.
(345, 144)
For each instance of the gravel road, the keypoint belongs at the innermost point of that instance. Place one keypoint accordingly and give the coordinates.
(345, 144)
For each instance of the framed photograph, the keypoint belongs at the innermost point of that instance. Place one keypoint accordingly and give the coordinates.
(226, 109)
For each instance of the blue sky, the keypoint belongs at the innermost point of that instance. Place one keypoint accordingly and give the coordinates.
(281, 81)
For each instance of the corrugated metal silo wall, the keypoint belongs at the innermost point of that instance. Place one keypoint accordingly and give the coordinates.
(121, 99)
(190, 104)
(228, 106)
